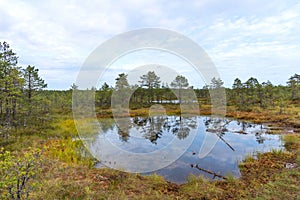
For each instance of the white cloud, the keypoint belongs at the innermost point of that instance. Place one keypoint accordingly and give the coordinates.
(243, 38)
(263, 47)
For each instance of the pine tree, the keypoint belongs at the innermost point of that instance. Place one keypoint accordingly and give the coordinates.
(121, 95)
(32, 81)
(238, 93)
(150, 81)
(121, 82)
(294, 85)
(33, 84)
(11, 84)
(180, 83)
(252, 86)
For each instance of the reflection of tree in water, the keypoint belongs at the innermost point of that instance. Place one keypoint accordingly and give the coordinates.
(245, 125)
(154, 127)
(218, 125)
(182, 126)
(151, 127)
(259, 133)
(259, 138)
(107, 124)
(124, 125)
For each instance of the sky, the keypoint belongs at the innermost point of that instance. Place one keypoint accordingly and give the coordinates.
(247, 38)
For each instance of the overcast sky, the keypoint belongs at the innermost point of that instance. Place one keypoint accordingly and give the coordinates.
(256, 38)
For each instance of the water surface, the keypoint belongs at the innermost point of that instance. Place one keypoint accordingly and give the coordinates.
(236, 139)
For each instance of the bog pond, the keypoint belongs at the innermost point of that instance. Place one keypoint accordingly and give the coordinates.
(226, 142)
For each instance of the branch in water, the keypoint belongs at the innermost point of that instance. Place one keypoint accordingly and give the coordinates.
(209, 172)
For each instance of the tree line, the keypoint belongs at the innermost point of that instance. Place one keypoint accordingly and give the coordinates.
(150, 90)
(252, 93)
(24, 102)
(243, 95)
(19, 102)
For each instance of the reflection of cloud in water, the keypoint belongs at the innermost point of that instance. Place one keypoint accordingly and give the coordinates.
(222, 159)
(146, 156)
(244, 145)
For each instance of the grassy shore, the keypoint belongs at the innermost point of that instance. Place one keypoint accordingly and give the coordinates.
(67, 174)
(289, 119)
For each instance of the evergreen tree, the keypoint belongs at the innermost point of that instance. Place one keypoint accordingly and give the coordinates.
(251, 85)
(180, 83)
(74, 87)
(238, 93)
(104, 95)
(122, 94)
(121, 82)
(294, 85)
(216, 91)
(33, 82)
(150, 81)
(11, 84)
(268, 94)
(216, 83)
(32, 87)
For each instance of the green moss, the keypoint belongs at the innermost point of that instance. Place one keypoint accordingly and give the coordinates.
(69, 151)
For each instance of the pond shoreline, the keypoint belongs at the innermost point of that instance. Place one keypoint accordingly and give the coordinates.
(236, 140)
(64, 173)
(269, 118)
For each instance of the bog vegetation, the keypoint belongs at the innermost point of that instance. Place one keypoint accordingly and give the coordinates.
(39, 158)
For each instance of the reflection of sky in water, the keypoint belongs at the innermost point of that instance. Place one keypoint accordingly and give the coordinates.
(222, 159)
(146, 137)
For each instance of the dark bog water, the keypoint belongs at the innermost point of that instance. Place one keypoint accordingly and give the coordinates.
(235, 141)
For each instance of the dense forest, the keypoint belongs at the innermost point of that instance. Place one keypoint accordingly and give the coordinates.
(26, 106)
